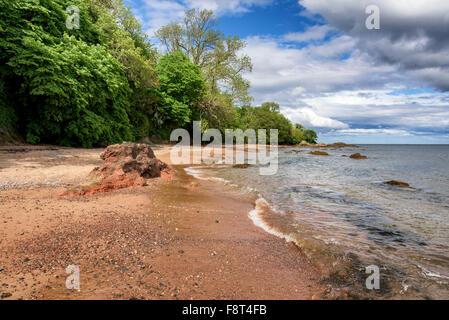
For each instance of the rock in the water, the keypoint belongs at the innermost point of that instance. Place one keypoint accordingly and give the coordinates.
(241, 166)
(319, 153)
(358, 156)
(395, 183)
(125, 165)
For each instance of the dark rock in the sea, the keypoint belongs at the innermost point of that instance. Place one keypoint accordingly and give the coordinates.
(291, 152)
(399, 184)
(358, 156)
(241, 166)
(125, 165)
(319, 153)
(344, 156)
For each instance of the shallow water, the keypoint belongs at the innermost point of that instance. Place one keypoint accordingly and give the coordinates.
(342, 214)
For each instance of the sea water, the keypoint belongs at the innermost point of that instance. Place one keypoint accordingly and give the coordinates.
(340, 212)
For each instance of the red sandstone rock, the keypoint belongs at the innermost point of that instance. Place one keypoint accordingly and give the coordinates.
(358, 156)
(125, 165)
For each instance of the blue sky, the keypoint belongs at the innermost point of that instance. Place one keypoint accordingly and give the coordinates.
(327, 71)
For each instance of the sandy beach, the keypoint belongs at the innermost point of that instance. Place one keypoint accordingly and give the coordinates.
(178, 238)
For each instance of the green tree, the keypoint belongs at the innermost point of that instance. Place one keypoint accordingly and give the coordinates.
(67, 88)
(267, 117)
(217, 55)
(272, 106)
(130, 45)
(297, 134)
(181, 89)
(310, 136)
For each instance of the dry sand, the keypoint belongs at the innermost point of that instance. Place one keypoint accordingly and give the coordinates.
(174, 239)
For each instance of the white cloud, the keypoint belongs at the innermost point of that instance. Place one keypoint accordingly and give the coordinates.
(414, 34)
(352, 132)
(337, 85)
(309, 118)
(313, 33)
(296, 77)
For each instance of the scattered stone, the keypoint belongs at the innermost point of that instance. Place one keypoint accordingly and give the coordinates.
(358, 156)
(399, 184)
(5, 295)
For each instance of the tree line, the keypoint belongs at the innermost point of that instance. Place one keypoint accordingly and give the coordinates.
(105, 82)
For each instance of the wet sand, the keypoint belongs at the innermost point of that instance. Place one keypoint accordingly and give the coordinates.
(174, 239)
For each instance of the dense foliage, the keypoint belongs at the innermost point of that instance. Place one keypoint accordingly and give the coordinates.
(104, 82)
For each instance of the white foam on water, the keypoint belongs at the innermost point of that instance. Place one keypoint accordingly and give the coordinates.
(197, 173)
(255, 216)
(431, 274)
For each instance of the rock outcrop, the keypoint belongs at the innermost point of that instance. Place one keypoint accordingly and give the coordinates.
(125, 165)
(399, 184)
(319, 153)
(358, 156)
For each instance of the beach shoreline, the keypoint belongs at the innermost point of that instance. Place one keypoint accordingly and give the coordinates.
(173, 239)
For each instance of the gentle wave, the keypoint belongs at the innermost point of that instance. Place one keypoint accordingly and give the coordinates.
(255, 215)
(259, 207)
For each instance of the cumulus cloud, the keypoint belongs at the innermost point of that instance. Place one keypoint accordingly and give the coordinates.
(297, 77)
(313, 33)
(413, 34)
(309, 118)
(318, 89)
(315, 68)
